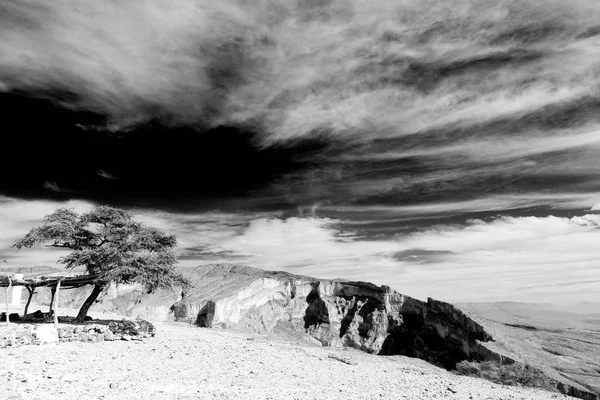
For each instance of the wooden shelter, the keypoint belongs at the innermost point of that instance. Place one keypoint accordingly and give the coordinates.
(54, 282)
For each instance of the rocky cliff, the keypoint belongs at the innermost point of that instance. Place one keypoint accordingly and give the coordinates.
(374, 319)
(371, 318)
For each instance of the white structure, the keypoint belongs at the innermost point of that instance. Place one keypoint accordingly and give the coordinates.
(46, 333)
(16, 292)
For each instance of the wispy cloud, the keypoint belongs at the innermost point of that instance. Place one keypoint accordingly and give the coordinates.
(343, 67)
(384, 217)
(419, 101)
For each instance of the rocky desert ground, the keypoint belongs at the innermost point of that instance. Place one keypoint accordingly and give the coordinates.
(186, 362)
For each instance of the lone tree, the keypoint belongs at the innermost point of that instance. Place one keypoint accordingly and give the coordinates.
(112, 247)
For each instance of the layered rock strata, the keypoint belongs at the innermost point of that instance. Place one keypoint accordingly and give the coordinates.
(362, 315)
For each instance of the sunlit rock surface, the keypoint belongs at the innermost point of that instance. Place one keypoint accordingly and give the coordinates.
(335, 312)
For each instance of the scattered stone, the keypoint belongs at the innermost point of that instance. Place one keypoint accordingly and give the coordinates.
(28, 334)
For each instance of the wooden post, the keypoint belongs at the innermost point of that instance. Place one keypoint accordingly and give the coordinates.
(55, 304)
(52, 300)
(31, 291)
(6, 298)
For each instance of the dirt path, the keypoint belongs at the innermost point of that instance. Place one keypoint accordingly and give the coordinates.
(184, 362)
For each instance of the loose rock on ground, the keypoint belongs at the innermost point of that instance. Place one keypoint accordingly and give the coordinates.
(185, 362)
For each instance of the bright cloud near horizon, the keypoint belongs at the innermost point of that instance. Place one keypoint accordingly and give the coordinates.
(535, 259)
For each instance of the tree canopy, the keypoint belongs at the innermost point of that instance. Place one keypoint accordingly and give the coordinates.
(112, 247)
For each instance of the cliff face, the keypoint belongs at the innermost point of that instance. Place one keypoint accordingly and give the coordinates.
(374, 319)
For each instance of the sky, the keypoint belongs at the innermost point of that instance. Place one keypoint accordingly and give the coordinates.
(445, 149)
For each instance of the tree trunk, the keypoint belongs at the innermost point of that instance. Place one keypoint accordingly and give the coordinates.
(51, 301)
(55, 304)
(31, 292)
(6, 298)
(98, 288)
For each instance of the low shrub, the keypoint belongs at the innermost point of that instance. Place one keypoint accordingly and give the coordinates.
(515, 374)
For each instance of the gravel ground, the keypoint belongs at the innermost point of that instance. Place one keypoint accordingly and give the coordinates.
(185, 362)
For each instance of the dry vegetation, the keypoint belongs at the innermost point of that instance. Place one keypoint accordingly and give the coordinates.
(507, 374)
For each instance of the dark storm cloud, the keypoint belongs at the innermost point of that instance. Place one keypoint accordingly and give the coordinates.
(47, 154)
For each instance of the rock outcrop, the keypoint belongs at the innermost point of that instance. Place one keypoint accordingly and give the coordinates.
(362, 315)
(371, 318)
